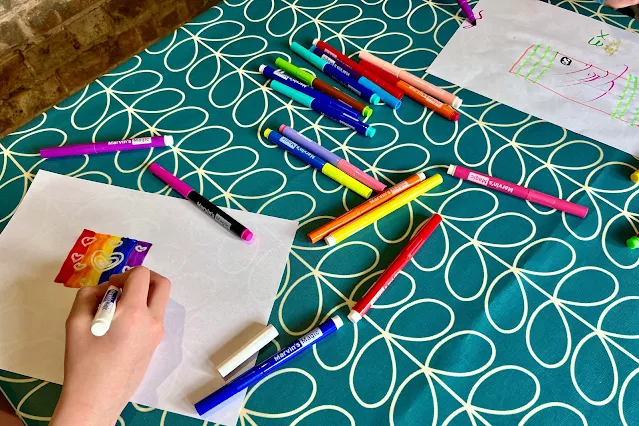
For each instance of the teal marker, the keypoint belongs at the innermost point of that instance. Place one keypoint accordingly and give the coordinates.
(336, 74)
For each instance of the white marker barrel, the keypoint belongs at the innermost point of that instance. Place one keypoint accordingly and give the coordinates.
(249, 349)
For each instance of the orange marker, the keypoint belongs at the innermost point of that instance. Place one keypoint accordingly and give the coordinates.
(366, 206)
(440, 108)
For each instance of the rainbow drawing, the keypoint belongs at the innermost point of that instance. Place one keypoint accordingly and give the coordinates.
(95, 257)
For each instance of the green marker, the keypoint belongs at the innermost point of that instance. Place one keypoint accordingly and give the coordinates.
(323, 87)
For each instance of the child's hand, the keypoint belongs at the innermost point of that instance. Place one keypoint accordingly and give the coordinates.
(102, 373)
(618, 4)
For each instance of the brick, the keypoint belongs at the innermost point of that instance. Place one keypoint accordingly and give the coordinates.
(51, 53)
(148, 29)
(11, 36)
(126, 9)
(92, 28)
(28, 103)
(172, 17)
(99, 59)
(13, 74)
(45, 15)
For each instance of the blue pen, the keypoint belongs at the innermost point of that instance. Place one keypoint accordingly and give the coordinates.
(336, 74)
(282, 77)
(324, 108)
(271, 364)
(386, 97)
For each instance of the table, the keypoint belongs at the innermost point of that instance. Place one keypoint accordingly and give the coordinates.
(509, 315)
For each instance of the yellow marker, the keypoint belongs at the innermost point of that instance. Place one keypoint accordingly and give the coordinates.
(318, 163)
(388, 207)
(339, 176)
(635, 176)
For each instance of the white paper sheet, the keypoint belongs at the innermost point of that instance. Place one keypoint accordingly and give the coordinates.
(221, 286)
(565, 68)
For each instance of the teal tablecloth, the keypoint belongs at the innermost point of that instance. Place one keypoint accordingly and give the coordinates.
(509, 315)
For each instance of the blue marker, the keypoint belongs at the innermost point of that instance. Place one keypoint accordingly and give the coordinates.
(336, 74)
(282, 77)
(324, 108)
(386, 97)
(256, 373)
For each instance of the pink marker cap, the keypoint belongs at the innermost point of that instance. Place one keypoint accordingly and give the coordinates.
(247, 235)
(361, 176)
(557, 203)
(164, 175)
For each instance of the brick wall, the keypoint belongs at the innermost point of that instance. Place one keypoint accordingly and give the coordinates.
(50, 49)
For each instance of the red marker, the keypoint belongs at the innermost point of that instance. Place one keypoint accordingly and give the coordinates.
(384, 280)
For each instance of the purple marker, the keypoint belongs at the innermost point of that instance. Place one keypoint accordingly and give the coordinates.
(213, 211)
(111, 146)
(465, 7)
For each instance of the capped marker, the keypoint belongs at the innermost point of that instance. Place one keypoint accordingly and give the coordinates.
(269, 365)
(105, 147)
(386, 97)
(323, 108)
(332, 158)
(635, 177)
(336, 74)
(318, 163)
(322, 86)
(633, 242)
(289, 81)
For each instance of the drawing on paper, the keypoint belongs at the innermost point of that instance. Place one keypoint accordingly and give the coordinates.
(611, 93)
(95, 257)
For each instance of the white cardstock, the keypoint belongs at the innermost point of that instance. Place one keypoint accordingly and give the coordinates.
(221, 286)
(563, 67)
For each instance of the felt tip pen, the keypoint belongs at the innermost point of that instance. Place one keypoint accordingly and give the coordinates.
(370, 297)
(517, 191)
(635, 177)
(365, 207)
(468, 11)
(336, 74)
(331, 51)
(386, 97)
(332, 158)
(633, 242)
(383, 210)
(322, 86)
(269, 365)
(429, 102)
(104, 147)
(413, 80)
(280, 76)
(103, 317)
(213, 211)
(323, 108)
(318, 163)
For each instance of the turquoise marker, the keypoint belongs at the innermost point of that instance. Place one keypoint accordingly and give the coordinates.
(336, 74)
(324, 108)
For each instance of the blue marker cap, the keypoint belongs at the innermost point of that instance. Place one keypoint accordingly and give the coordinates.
(315, 60)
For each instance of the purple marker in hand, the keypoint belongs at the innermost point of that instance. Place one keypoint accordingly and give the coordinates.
(111, 146)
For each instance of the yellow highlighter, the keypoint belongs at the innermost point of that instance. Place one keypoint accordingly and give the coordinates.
(388, 207)
(318, 163)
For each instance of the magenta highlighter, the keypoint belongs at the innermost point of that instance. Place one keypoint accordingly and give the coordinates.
(211, 210)
(518, 191)
(103, 147)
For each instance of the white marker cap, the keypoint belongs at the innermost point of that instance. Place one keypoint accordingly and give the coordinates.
(457, 102)
(330, 240)
(100, 327)
(168, 140)
(262, 68)
(338, 322)
(248, 350)
(451, 170)
(354, 316)
(315, 40)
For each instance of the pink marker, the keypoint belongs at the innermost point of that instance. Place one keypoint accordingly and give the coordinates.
(213, 211)
(111, 146)
(518, 191)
